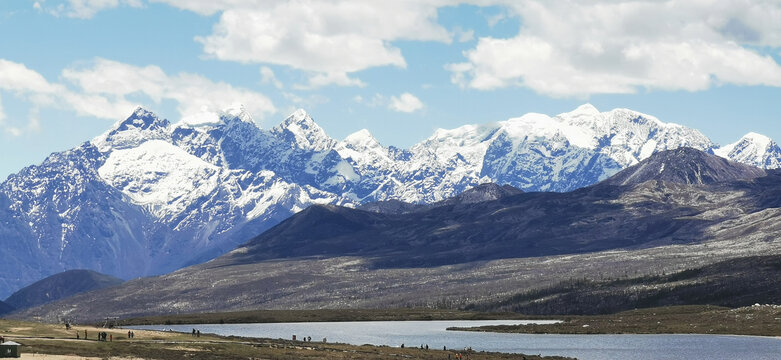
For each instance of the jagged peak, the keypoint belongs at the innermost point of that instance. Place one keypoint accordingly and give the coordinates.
(238, 111)
(300, 129)
(141, 118)
(141, 125)
(299, 117)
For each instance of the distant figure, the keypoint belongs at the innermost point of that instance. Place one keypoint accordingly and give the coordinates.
(402, 346)
(426, 346)
(111, 338)
(193, 332)
(132, 334)
(85, 334)
(325, 340)
(444, 348)
(77, 336)
(198, 333)
(128, 334)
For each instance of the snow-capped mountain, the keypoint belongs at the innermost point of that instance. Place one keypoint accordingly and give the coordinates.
(149, 196)
(753, 149)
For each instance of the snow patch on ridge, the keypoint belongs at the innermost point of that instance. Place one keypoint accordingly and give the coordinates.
(160, 176)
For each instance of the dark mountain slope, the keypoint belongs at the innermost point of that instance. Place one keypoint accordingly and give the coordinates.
(733, 283)
(5, 308)
(330, 256)
(639, 207)
(686, 166)
(602, 217)
(59, 286)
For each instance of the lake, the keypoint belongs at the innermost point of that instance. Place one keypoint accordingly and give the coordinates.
(433, 333)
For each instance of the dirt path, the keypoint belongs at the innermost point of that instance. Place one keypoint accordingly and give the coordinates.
(69, 357)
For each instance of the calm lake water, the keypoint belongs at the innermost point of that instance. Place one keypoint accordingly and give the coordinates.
(433, 333)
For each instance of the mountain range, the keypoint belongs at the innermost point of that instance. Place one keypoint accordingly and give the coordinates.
(680, 227)
(149, 196)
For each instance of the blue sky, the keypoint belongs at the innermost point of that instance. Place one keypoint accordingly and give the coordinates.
(71, 68)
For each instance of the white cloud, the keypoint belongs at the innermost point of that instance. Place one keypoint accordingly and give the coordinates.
(18, 78)
(2, 113)
(104, 90)
(192, 92)
(306, 102)
(463, 35)
(324, 79)
(327, 38)
(583, 48)
(563, 48)
(267, 77)
(83, 9)
(330, 38)
(406, 102)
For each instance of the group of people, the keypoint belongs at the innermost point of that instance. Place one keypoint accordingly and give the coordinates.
(309, 339)
(102, 336)
(458, 356)
(196, 333)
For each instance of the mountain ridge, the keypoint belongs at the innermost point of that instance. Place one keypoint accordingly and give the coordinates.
(460, 254)
(182, 193)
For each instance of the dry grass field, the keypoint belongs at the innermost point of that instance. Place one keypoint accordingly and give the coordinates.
(54, 342)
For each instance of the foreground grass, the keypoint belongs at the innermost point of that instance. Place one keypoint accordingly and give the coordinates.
(754, 320)
(275, 316)
(56, 340)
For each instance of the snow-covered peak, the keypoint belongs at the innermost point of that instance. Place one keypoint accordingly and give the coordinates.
(760, 140)
(583, 110)
(753, 149)
(140, 126)
(142, 112)
(238, 111)
(543, 126)
(300, 129)
(361, 139)
(141, 118)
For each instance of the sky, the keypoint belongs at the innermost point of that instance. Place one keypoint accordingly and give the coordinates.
(69, 69)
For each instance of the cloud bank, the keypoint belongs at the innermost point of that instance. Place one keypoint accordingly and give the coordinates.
(105, 89)
(562, 48)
